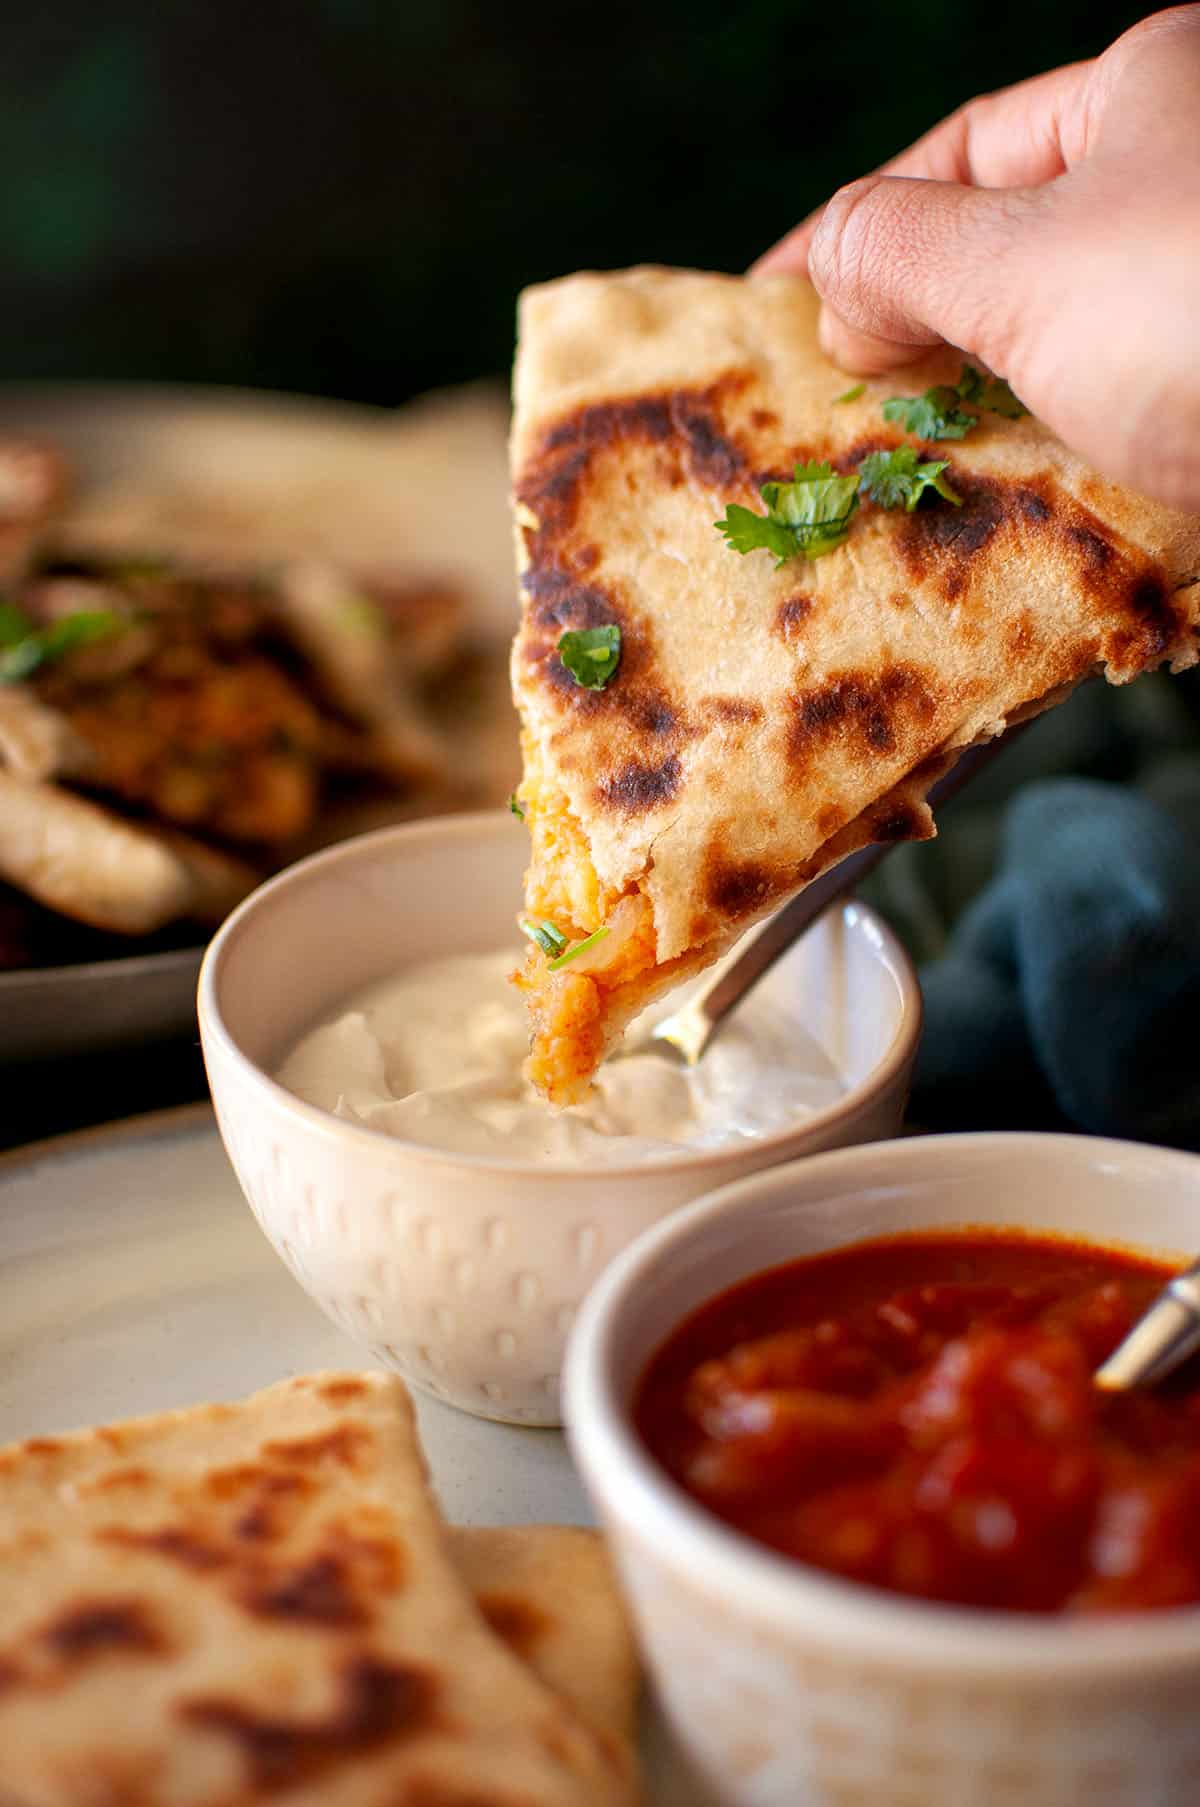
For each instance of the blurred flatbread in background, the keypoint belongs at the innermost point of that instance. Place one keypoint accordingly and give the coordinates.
(72, 856)
(368, 549)
(419, 493)
(229, 477)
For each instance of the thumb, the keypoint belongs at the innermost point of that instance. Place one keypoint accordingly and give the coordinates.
(902, 264)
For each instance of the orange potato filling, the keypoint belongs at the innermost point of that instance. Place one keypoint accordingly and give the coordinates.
(567, 1009)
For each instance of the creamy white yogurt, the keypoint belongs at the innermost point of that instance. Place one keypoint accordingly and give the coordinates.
(434, 1055)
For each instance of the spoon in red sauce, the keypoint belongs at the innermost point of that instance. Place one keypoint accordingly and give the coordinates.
(1165, 1335)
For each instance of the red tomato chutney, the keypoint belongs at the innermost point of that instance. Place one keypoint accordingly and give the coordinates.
(918, 1414)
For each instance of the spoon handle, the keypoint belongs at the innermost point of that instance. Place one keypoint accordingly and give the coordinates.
(691, 1029)
(1161, 1340)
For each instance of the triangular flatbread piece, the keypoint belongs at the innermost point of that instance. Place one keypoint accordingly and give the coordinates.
(762, 721)
(257, 1602)
(549, 1592)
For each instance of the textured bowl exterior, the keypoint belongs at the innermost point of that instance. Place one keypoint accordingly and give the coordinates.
(812, 1693)
(775, 1719)
(463, 1275)
(466, 1285)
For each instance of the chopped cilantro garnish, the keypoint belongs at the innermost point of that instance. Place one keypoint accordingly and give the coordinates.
(551, 940)
(937, 415)
(15, 624)
(746, 532)
(898, 479)
(991, 393)
(591, 654)
(805, 518)
(580, 947)
(851, 395)
(515, 807)
(23, 653)
(934, 415)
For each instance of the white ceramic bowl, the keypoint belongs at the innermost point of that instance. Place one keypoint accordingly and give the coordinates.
(791, 1688)
(462, 1272)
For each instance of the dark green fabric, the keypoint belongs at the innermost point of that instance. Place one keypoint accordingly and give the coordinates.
(1057, 923)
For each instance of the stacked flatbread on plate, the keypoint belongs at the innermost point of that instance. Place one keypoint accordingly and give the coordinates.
(259, 1602)
(226, 639)
(763, 721)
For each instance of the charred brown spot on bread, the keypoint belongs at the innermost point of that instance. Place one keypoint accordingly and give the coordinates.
(99, 1627)
(550, 482)
(345, 1446)
(515, 1622)
(735, 889)
(1151, 624)
(43, 1446)
(790, 614)
(761, 419)
(118, 1480)
(829, 819)
(241, 1478)
(605, 423)
(342, 1389)
(634, 757)
(735, 710)
(1096, 552)
(379, 1704)
(849, 460)
(177, 1543)
(1124, 590)
(1021, 635)
(652, 713)
(899, 822)
(268, 1498)
(265, 1518)
(318, 1592)
(332, 1583)
(881, 713)
(636, 788)
(938, 545)
(558, 600)
(1033, 502)
(712, 456)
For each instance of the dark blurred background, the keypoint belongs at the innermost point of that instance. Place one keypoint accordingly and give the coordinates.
(343, 196)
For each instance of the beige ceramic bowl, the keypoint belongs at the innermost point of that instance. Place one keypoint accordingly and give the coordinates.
(464, 1273)
(793, 1689)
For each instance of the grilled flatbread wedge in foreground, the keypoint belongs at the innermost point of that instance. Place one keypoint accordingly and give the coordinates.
(549, 1593)
(765, 720)
(258, 1602)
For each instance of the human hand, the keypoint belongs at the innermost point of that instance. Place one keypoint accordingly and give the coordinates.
(1052, 232)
